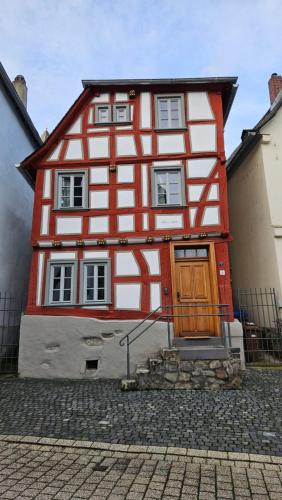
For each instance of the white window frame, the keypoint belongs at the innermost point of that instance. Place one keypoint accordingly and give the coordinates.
(127, 113)
(58, 189)
(107, 282)
(163, 170)
(50, 282)
(109, 108)
(181, 109)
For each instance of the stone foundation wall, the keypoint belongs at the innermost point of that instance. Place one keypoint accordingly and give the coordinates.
(203, 374)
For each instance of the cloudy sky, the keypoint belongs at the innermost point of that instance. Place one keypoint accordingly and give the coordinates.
(56, 43)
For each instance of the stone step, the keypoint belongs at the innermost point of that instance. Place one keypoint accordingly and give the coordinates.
(200, 342)
(203, 352)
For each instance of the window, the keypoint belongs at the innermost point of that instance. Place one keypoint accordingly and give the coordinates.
(116, 113)
(121, 113)
(169, 112)
(61, 283)
(71, 190)
(103, 113)
(168, 187)
(95, 286)
(191, 253)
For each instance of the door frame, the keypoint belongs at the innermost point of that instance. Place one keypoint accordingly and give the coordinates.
(212, 273)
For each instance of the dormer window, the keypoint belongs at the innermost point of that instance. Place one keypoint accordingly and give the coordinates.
(111, 114)
(169, 112)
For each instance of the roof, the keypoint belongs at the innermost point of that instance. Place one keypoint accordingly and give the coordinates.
(226, 83)
(250, 137)
(19, 107)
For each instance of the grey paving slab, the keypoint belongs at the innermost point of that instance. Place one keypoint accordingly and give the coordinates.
(248, 420)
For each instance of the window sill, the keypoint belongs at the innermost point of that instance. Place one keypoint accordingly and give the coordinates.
(107, 124)
(170, 129)
(60, 304)
(70, 209)
(164, 207)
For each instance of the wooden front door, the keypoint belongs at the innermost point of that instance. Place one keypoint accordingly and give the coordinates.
(193, 286)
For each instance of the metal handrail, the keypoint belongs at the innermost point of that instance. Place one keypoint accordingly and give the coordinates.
(168, 317)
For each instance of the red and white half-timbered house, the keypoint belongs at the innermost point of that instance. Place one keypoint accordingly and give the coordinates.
(130, 213)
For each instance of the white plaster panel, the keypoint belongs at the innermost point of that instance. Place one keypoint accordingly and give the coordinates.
(211, 216)
(144, 181)
(213, 193)
(101, 98)
(131, 109)
(47, 183)
(76, 127)
(145, 110)
(199, 107)
(200, 167)
(45, 216)
(195, 192)
(99, 175)
(98, 147)
(155, 295)
(68, 225)
(126, 264)
(93, 254)
(146, 143)
(145, 222)
(99, 224)
(152, 258)
(125, 198)
(203, 138)
(40, 268)
(125, 173)
(56, 153)
(171, 221)
(74, 150)
(125, 223)
(166, 163)
(172, 143)
(127, 296)
(121, 96)
(125, 145)
(99, 199)
(62, 255)
(124, 127)
(192, 216)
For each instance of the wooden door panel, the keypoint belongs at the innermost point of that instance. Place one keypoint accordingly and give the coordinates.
(193, 287)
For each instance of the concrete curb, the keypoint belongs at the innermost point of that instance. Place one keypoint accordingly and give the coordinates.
(270, 462)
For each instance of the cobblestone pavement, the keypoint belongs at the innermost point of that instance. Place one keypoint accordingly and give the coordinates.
(117, 472)
(249, 420)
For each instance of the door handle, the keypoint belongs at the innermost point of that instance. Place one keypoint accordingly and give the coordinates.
(178, 296)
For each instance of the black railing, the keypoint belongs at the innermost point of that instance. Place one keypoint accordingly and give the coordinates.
(259, 314)
(168, 315)
(10, 319)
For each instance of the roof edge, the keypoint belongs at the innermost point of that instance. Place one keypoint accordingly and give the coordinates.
(161, 81)
(22, 111)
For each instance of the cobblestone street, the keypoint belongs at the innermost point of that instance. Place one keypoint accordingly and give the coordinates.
(75, 470)
(248, 420)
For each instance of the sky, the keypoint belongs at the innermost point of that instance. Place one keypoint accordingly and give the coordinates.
(57, 43)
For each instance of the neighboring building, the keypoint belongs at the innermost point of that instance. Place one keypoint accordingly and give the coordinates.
(18, 138)
(130, 213)
(255, 201)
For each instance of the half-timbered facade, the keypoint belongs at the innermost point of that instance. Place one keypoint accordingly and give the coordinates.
(130, 214)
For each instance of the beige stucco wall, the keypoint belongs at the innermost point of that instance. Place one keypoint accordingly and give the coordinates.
(272, 163)
(253, 253)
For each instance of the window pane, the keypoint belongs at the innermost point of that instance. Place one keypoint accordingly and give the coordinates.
(90, 270)
(90, 282)
(78, 181)
(121, 114)
(78, 202)
(174, 177)
(67, 283)
(101, 282)
(179, 252)
(57, 271)
(56, 283)
(68, 270)
(174, 199)
(103, 114)
(202, 252)
(56, 296)
(90, 294)
(162, 195)
(67, 295)
(101, 294)
(101, 270)
(191, 252)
